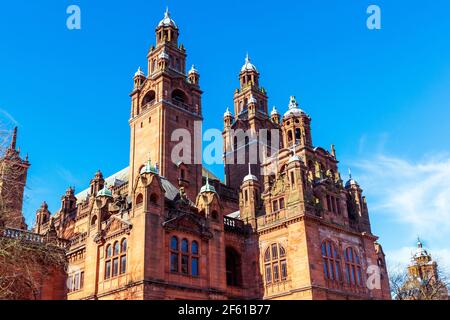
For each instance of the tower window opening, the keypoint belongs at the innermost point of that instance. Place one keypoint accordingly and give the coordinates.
(149, 98)
(139, 200)
(290, 136)
(297, 135)
(178, 96)
(154, 199)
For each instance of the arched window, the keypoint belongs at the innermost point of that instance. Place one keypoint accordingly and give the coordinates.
(178, 96)
(235, 144)
(149, 98)
(331, 261)
(194, 259)
(214, 215)
(123, 256)
(115, 259)
(116, 248)
(233, 267)
(153, 199)
(108, 251)
(352, 267)
(108, 254)
(290, 136)
(189, 260)
(297, 134)
(185, 256)
(93, 221)
(174, 253)
(139, 199)
(275, 264)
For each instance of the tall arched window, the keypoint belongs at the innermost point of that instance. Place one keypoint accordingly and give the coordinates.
(233, 267)
(115, 259)
(353, 267)
(331, 261)
(178, 96)
(154, 199)
(297, 135)
(139, 200)
(275, 264)
(185, 256)
(93, 221)
(290, 136)
(123, 256)
(174, 252)
(108, 254)
(194, 259)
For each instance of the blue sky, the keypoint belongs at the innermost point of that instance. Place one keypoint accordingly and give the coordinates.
(380, 96)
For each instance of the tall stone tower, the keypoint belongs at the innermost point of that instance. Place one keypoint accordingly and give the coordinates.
(244, 141)
(13, 177)
(166, 106)
(423, 266)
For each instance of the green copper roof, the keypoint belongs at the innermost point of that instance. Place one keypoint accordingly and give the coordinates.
(207, 187)
(105, 192)
(148, 168)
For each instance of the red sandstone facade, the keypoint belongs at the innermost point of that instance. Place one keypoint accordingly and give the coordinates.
(288, 229)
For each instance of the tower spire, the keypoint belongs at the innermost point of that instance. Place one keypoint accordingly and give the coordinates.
(14, 139)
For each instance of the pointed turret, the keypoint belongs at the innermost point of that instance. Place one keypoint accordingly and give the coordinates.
(249, 198)
(14, 139)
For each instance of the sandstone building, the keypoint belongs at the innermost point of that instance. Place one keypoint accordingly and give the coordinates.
(283, 227)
